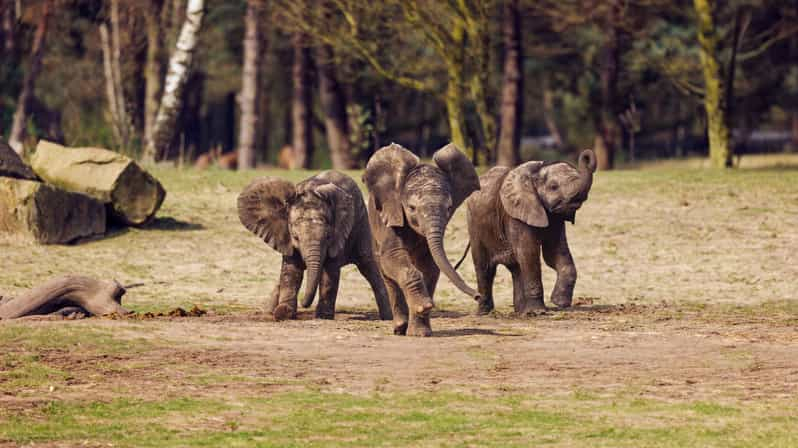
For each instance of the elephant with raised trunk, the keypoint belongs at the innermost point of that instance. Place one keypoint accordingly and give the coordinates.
(410, 204)
(520, 212)
(319, 225)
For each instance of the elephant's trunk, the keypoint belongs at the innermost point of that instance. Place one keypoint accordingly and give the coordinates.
(435, 242)
(313, 265)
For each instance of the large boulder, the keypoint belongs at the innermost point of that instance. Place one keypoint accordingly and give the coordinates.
(133, 195)
(11, 165)
(46, 214)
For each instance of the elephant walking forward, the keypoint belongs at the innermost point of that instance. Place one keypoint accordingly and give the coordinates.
(517, 214)
(410, 204)
(319, 225)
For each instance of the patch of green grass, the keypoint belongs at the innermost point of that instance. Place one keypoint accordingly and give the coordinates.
(60, 336)
(24, 371)
(314, 418)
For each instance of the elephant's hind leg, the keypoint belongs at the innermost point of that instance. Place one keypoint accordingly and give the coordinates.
(328, 293)
(486, 273)
(369, 269)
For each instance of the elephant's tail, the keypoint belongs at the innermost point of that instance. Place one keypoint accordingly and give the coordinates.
(463, 257)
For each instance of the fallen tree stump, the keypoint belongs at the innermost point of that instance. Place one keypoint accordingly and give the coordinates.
(67, 295)
(11, 165)
(133, 195)
(47, 214)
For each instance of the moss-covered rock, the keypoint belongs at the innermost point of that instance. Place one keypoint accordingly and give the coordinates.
(133, 195)
(46, 214)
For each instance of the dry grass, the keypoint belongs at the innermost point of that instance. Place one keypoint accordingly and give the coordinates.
(685, 334)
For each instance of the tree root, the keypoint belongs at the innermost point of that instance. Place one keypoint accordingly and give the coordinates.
(71, 294)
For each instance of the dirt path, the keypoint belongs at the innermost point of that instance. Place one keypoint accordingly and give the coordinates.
(651, 351)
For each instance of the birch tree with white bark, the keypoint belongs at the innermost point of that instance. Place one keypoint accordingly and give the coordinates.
(179, 68)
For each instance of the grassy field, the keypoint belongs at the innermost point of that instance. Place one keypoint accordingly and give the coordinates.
(683, 333)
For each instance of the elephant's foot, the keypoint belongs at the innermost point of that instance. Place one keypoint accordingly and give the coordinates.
(400, 328)
(419, 327)
(532, 307)
(325, 314)
(283, 312)
(562, 299)
(485, 306)
(386, 314)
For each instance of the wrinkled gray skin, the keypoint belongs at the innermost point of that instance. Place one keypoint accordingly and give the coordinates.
(517, 214)
(410, 204)
(319, 225)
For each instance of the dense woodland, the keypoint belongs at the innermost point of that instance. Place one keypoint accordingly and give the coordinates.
(507, 80)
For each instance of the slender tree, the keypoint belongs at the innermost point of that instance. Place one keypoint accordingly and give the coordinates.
(302, 103)
(154, 66)
(714, 97)
(248, 128)
(336, 120)
(17, 135)
(608, 129)
(512, 106)
(163, 130)
(112, 55)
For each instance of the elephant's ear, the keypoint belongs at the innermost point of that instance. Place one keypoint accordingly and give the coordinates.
(460, 171)
(343, 207)
(520, 198)
(384, 177)
(263, 208)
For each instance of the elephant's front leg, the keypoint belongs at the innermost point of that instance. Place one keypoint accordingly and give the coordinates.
(398, 266)
(398, 306)
(328, 292)
(291, 275)
(274, 298)
(526, 276)
(558, 256)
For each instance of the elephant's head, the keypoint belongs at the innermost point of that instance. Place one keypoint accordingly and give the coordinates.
(423, 197)
(534, 190)
(313, 218)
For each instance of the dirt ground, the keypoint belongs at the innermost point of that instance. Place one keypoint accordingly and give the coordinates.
(649, 350)
(686, 291)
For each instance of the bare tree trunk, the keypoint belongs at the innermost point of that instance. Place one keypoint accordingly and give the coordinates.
(548, 113)
(609, 131)
(7, 28)
(248, 128)
(714, 98)
(153, 70)
(163, 130)
(302, 104)
(17, 135)
(512, 108)
(112, 54)
(108, 71)
(336, 121)
(795, 128)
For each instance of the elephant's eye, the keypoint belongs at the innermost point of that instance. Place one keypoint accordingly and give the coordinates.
(553, 187)
(412, 208)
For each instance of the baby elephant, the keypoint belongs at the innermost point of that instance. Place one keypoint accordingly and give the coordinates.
(409, 206)
(320, 225)
(515, 214)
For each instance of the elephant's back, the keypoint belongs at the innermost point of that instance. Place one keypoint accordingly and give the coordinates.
(489, 184)
(347, 184)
